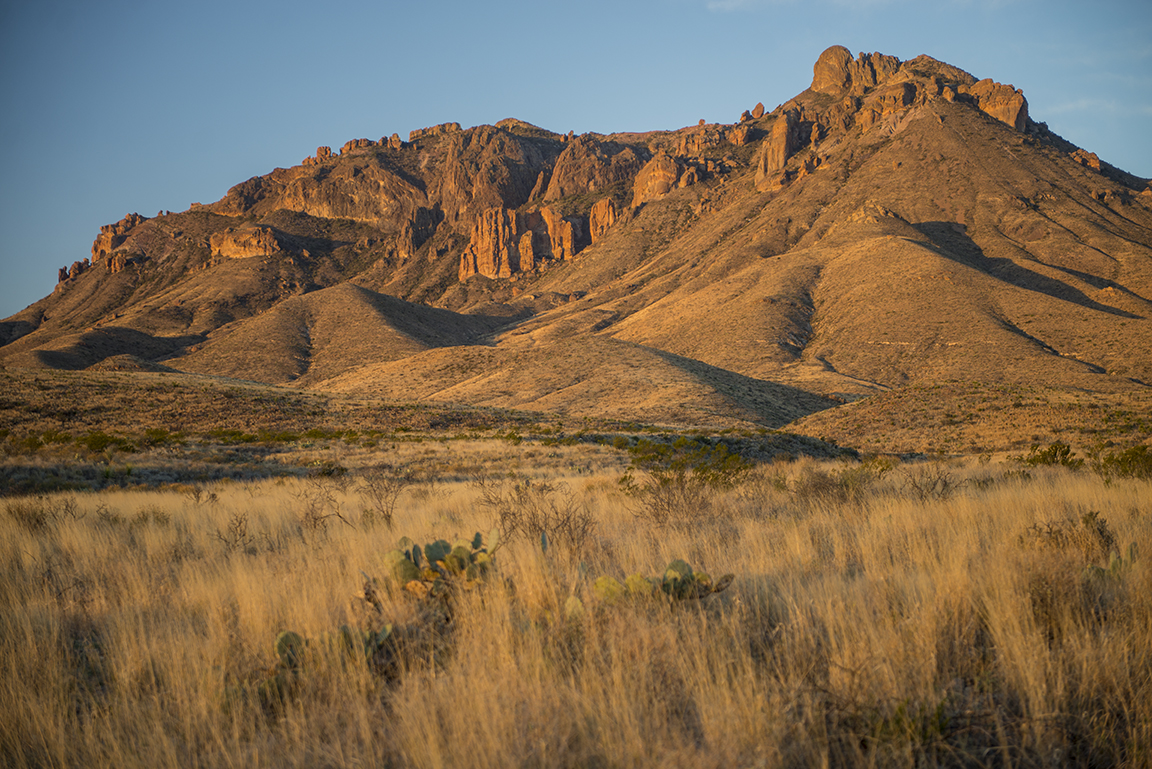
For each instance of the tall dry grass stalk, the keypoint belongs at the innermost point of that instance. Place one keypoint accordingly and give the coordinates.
(867, 626)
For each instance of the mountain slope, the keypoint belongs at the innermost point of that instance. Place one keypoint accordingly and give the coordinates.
(897, 224)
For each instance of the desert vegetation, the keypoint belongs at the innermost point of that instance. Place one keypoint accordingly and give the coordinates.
(991, 612)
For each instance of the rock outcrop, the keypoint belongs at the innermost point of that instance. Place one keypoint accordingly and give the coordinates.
(506, 242)
(323, 154)
(565, 233)
(837, 74)
(244, 242)
(696, 141)
(436, 130)
(884, 101)
(1003, 102)
(78, 268)
(601, 218)
(1087, 159)
(780, 145)
(486, 167)
(587, 165)
(356, 144)
(120, 260)
(495, 247)
(417, 228)
(656, 179)
(112, 235)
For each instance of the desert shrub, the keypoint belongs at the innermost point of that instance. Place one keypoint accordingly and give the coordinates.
(847, 483)
(319, 505)
(29, 444)
(1135, 462)
(40, 514)
(151, 515)
(230, 436)
(159, 436)
(1090, 536)
(108, 518)
(537, 510)
(382, 486)
(931, 481)
(678, 480)
(235, 536)
(1056, 454)
(198, 495)
(99, 442)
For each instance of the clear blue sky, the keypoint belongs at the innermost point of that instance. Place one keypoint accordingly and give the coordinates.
(109, 107)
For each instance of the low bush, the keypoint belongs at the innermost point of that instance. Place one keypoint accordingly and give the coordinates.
(537, 510)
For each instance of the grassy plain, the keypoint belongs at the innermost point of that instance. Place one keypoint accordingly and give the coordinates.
(926, 614)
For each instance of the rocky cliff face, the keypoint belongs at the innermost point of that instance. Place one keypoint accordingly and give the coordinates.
(244, 242)
(510, 219)
(498, 200)
(112, 235)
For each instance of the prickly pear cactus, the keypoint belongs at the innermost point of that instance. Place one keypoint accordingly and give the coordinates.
(290, 649)
(1117, 567)
(609, 590)
(678, 582)
(432, 571)
(681, 582)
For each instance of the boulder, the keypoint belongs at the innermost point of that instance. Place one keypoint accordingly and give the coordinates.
(112, 235)
(656, 179)
(395, 142)
(244, 242)
(758, 111)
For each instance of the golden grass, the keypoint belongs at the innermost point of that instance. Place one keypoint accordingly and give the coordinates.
(864, 628)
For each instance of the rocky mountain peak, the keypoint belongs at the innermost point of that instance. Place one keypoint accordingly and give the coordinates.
(894, 222)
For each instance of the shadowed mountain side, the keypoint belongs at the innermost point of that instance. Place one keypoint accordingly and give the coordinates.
(79, 351)
(307, 339)
(593, 376)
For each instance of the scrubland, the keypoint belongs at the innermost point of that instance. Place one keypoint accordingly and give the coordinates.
(951, 614)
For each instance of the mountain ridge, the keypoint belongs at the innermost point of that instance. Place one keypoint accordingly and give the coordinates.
(895, 224)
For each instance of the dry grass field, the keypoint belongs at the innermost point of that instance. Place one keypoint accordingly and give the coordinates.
(970, 613)
(834, 453)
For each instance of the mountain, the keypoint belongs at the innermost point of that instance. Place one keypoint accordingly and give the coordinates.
(896, 225)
